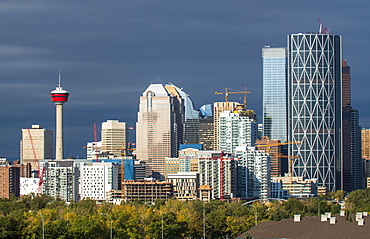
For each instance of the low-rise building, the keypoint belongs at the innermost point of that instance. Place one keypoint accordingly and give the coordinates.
(185, 185)
(297, 186)
(147, 191)
(97, 179)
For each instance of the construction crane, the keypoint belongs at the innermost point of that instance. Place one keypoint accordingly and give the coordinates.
(322, 29)
(267, 150)
(227, 93)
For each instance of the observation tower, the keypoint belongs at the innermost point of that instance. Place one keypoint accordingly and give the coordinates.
(59, 96)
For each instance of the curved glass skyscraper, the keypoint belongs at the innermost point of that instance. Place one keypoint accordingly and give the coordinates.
(314, 107)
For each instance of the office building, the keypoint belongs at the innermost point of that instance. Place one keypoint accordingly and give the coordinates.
(60, 179)
(278, 163)
(298, 187)
(191, 129)
(236, 129)
(353, 167)
(206, 133)
(274, 89)
(9, 179)
(114, 137)
(159, 127)
(254, 173)
(315, 106)
(93, 150)
(365, 143)
(97, 179)
(36, 144)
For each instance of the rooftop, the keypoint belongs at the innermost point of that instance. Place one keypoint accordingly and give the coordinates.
(312, 227)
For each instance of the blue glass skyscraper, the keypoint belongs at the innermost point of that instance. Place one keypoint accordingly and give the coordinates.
(274, 93)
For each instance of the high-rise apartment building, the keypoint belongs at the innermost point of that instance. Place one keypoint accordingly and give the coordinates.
(159, 127)
(36, 144)
(315, 106)
(219, 172)
(218, 108)
(114, 137)
(61, 179)
(236, 129)
(274, 93)
(254, 173)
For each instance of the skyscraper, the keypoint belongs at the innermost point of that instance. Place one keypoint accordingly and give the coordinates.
(274, 93)
(218, 108)
(352, 169)
(114, 137)
(159, 127)
(36, 144)
(236, 129)
(314, 107)
(191, 128)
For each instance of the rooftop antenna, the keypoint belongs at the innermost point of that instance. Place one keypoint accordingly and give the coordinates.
(59, 78)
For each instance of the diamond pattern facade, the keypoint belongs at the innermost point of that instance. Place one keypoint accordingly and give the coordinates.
(314, 107)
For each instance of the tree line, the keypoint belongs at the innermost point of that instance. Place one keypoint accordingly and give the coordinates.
(22, 217)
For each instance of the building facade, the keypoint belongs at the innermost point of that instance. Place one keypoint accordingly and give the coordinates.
(206, 133)
(314, 107)
(191, 116)
(60, 179)
(9, 179)
(274, 89)
(36, 144)
(185, 185)
(97, 179)
(220, 173)
(160, 127)
(114, 137)
(218, 108)
(254, 174)
(236, 129)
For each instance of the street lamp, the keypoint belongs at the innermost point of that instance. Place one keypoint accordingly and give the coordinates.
(162, 220)
(256, 215)
(204, 221)
(43, 228)
(111, 229)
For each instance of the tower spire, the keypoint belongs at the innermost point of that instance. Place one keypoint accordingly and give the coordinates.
(59, 78)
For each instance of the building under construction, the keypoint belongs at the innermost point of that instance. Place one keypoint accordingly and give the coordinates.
(147, 191)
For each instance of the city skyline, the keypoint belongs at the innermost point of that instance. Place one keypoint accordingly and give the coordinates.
(109, 54)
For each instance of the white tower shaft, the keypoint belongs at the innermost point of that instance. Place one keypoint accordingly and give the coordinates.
(59, 132)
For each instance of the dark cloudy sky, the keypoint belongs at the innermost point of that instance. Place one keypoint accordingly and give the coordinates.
(110, 51)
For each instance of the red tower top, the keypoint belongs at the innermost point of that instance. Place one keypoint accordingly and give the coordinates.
(59, 95)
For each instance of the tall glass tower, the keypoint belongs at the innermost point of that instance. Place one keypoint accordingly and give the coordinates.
(274, 93)
(314, 107)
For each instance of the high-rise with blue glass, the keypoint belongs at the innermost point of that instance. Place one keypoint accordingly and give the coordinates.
(314, 107)
(274, 93)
